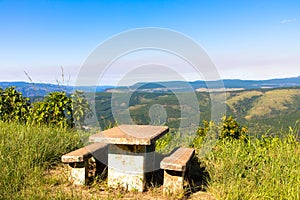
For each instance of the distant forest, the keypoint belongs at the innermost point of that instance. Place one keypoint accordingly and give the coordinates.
(263, 110)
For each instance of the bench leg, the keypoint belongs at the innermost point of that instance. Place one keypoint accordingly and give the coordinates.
(173, 182)
(78, 173)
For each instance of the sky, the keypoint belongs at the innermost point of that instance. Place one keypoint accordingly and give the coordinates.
(245, 39)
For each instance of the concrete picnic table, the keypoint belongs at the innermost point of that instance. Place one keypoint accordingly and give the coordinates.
(131, 153)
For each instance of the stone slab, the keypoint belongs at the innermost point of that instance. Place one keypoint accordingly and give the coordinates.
(178, 160)
(130, 135)
(80, 155)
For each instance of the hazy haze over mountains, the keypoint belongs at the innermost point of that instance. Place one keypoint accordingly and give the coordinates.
(41, 89)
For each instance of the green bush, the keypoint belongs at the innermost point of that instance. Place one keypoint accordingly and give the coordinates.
(80, 107)
(228, 129)
(57, 108)
(13, 106)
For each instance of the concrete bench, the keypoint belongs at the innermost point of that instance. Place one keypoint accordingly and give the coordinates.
(175, 167)
(78, 161)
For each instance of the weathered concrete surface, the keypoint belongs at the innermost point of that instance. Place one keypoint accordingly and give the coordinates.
(173, 182)
(78, 173)
(79, 161)
(178, 160)
(82, 154)
(175, 167)
(131, 153)
(130, 135)
(127, 165)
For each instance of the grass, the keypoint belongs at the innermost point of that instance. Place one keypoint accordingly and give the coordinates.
(274, 100)
(240, 97)
(266, 168)
(256, 104)
(263, 168)
(25, 153)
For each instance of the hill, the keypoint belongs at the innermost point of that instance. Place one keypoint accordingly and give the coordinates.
(228, 84)
(261, 110)
(41, 89)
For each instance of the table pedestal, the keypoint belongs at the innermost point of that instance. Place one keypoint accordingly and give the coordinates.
(127, 165)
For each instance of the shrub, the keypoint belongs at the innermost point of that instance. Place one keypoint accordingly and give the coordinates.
(80, 107)
(56, 109)
(227, 129)
(13, 106)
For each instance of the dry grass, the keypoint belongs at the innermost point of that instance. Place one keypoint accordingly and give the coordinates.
(266, 103)
(243, 95)
(135, 107)
(56, 180)
(274, 100)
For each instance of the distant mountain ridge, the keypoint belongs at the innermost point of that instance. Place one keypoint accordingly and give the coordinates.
(182, 86)
(41, 89)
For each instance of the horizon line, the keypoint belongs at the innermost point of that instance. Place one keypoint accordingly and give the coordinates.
(164, 81)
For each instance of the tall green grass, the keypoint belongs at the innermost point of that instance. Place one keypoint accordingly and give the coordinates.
(25, 153)
(265, 168)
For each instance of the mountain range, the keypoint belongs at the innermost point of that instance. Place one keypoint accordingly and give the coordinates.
(227, 84)
(41, 89)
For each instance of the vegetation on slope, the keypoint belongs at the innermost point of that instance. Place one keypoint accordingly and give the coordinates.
(274, 102)
(272, 110)
(235, 100)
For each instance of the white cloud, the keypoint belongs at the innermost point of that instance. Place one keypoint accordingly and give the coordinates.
(286, 21)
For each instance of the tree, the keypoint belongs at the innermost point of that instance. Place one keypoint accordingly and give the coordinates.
(81, 108)
(55, 109)
(13, 106)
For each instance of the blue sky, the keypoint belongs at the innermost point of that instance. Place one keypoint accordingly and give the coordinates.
(251, 39)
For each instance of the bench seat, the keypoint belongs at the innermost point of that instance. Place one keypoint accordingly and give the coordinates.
(78, 161)
(175, 167)
(80, 155)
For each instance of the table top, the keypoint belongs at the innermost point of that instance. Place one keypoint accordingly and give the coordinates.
(130, 135)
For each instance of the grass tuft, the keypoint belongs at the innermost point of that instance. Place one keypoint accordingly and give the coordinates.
(25, 153)
(266, 168)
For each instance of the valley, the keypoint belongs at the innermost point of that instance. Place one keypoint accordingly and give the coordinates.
(262, 110)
